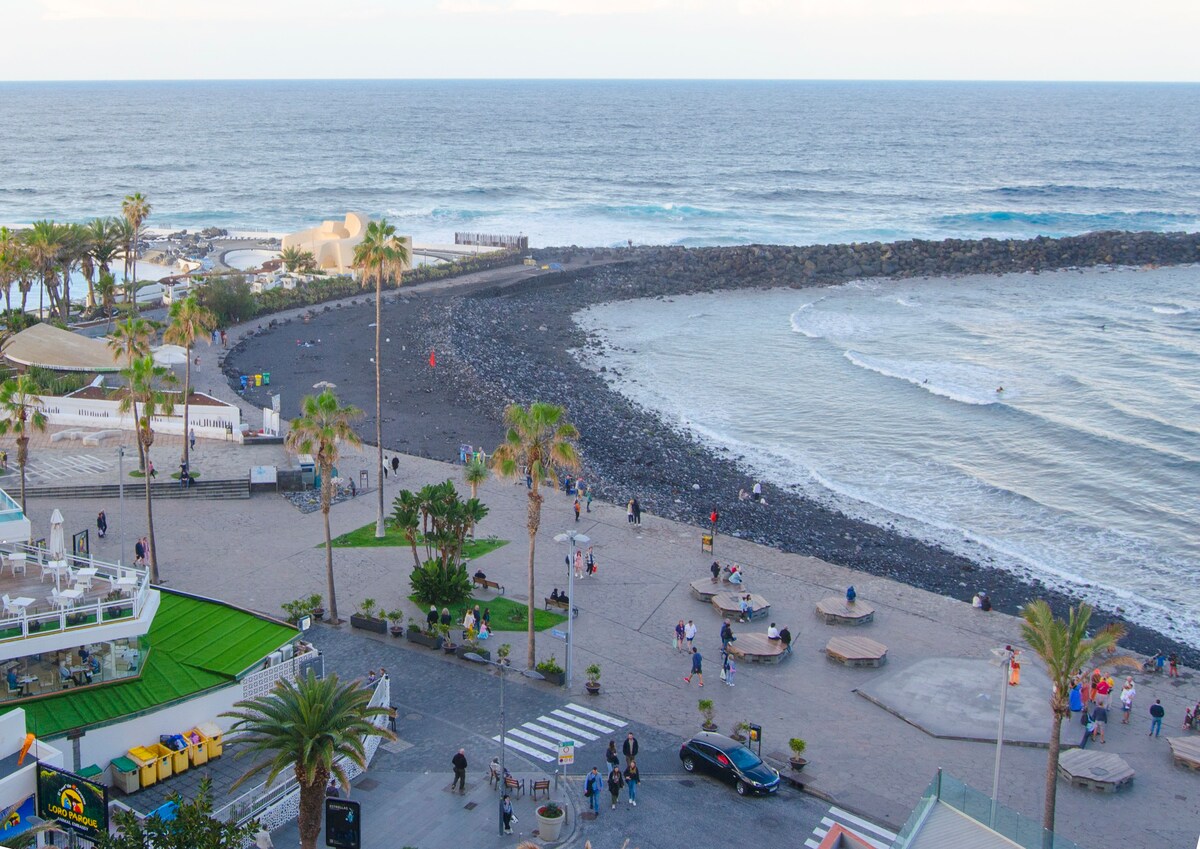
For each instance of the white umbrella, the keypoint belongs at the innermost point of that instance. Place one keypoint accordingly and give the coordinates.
(58, 545)
(324, 384)
(170, 355)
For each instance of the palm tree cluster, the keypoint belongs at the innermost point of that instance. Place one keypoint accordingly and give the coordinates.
(49, 252)
(439, 518)
(295, 259)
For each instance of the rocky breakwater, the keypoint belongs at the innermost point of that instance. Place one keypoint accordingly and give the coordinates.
(521, 344)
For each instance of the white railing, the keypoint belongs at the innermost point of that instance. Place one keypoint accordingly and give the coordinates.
(210, 421)
(263, 681)
(279, 803)
(40, 624)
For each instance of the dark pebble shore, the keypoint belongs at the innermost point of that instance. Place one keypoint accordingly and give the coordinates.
(495, 345)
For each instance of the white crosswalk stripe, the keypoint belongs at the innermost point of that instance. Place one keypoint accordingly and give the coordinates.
(540, 738)
(875, 835)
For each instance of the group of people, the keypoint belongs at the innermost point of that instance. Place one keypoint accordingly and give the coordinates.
(562, 597)
(473, 619)
(733, 573)
(1091, 697)
(618, 779)
(141, 550)
(755, 494)
(393, 464)
(585, 564)
(633, 512)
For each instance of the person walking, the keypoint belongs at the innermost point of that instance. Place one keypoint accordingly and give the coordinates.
(785, 637)
(632, 777)
(395, 465)
(679, 636)
(610, 755)
(629, 512)
(728, 668)
(689, 632)
(727, 636)
(1089, 727)
(1173, 665)
(1157, 712)
(459, 762)
(615, 782)
(629, 748)
(578, 564)
(506, 811)
(697, 667)
(590, 562)
(1101, 717)
(588, 500)
(331, 789)
(637, 512)
(101, 524)
(139, 550)
(192, 439)
(153, 471)
(576, 508)
(591, 789)
(1128, 692)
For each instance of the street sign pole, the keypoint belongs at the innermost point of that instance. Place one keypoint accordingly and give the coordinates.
(566, 756)
(570, 608)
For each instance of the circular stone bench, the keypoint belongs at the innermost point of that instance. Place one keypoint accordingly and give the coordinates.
(1095, 770)
(856, 651)
(756, 648)
(835, 610)
(729, 605)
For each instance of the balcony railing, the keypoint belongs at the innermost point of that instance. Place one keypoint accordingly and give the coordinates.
(44, 618)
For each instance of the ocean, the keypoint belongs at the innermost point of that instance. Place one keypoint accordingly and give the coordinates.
(600, 163)
(1047, 424)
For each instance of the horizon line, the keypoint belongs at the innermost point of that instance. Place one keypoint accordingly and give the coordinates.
(999, 81)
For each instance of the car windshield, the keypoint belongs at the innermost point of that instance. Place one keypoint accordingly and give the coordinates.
(743, 758)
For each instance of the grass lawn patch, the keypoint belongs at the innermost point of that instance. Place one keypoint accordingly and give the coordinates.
(193, 475)
(506, 615)
(364, 537)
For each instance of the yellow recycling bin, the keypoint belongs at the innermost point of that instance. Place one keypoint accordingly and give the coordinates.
(164, 760)
(147, 763)
(214, 735)
(179, 759)
(197, 747)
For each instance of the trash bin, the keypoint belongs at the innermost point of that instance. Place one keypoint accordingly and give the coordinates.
(164, 760)
(266, 378)
(147, 763)
(706, 542)
(125, 775)
(245, 380)
(258, 380)
(91, 772)
(179, 754)
(197, 747)
(214, 735)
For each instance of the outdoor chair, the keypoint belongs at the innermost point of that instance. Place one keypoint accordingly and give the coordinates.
(57, 600)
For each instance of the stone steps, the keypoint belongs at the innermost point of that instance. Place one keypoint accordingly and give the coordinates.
(218, 489)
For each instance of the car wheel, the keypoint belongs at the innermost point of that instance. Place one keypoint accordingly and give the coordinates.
(689, 764)
(742, 789)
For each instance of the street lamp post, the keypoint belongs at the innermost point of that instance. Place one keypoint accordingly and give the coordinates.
(528, 673)
(121, 499)
(1006, 656)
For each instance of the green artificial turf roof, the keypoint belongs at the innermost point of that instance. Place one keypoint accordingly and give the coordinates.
(195, 645)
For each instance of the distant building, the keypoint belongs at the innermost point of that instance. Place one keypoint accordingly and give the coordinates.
(332, 244)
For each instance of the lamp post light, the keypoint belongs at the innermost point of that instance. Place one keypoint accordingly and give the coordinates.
(121, 499)
(575, 539)
(503, 667)
(1006, 658)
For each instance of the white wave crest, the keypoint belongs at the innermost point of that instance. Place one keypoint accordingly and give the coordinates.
(1170, 310)
(961, 382)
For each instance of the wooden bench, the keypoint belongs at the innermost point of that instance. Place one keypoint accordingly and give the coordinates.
(835, 610)
(488, 585)
(512, 783)
(1101, 771)
(856, 651)
(1185, 751)
(705, 588)
(540, 786)
(729, 605)
(756, 648)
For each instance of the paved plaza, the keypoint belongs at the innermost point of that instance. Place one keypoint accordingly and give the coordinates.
(870, 759)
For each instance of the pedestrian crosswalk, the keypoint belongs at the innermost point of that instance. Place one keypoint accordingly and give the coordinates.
(48, 468)
(864, 830)
(539, 738)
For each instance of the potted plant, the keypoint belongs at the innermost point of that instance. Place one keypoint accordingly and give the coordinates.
(448, 645)
(502, 652)
(740, 730)
(550, 821)
(118, 611)
(395, 618)
(551, 671)
(706, 711)
(422, 636)
(366, 619)
(797, 746)
(593, 679)
(315, 607)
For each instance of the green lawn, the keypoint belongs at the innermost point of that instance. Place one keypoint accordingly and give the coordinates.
(506, 615)
(364, 537)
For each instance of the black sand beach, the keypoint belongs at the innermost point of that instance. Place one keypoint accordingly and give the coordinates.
(495, 345)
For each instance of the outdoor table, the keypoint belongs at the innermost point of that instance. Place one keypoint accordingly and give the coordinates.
(87, 572)
(25, 681)
(78, 673)
(73, 595)
(13, 559)
(59, 568)
(21, 603)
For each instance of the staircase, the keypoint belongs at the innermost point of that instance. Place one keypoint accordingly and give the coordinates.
(219, 489)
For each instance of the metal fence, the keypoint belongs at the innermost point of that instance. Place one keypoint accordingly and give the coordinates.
(492, 240)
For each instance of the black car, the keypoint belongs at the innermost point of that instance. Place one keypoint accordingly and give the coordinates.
(728, 760)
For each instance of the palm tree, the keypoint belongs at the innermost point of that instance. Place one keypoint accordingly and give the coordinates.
(11, 250)
(136, 210)
(43, 242)
(75, 251)
(124, 235)
(541, 441)
(296, 259)
(189, 322)
(379, 255)
(106, 288)
(1065, 649)
(307, 726)
(20, 413)
(104, 243)
(324, 423)
(131, 341)
(145, 378)
(475, 472)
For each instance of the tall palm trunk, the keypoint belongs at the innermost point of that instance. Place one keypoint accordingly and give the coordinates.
(326, 501)
(22, 459)
(535, 520)
(380, 531)
(312, 802)
(187, 397)
(133, 265)
(153, 553)
(1052, 777)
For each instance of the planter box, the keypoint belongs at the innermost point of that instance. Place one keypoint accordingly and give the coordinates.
(379, 626)
(462, 652)
(555, 678)
(422, 639)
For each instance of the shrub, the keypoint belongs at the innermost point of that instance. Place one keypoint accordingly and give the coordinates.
(432, 584)
(549, 667)
(797, 746)
(706, 710)
(593, 672)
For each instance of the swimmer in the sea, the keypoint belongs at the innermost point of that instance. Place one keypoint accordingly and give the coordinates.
(999, 388)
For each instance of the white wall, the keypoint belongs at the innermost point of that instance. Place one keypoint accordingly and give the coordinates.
(18, 785)
(208, 421)
(100, 745)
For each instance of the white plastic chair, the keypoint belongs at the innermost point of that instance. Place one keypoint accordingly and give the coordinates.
(58, 601)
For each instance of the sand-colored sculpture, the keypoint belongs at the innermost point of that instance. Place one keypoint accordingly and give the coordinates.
(331, 244)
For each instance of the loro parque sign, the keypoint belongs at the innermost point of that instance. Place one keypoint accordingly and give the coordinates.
(73, 801)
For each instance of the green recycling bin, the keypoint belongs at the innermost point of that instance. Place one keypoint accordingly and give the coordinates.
(266, 378)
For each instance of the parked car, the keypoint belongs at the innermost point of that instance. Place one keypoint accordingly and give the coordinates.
(728, 760)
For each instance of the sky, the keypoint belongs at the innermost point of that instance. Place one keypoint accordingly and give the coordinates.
(644, 39)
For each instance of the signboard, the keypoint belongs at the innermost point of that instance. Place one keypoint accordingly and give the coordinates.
(77, 803)
(566, 752)
(79, 544)
(557, 634)
(16, 818)
(343, 824)
(263, 474)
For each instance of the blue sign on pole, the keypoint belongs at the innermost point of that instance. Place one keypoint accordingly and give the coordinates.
(557, 634)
